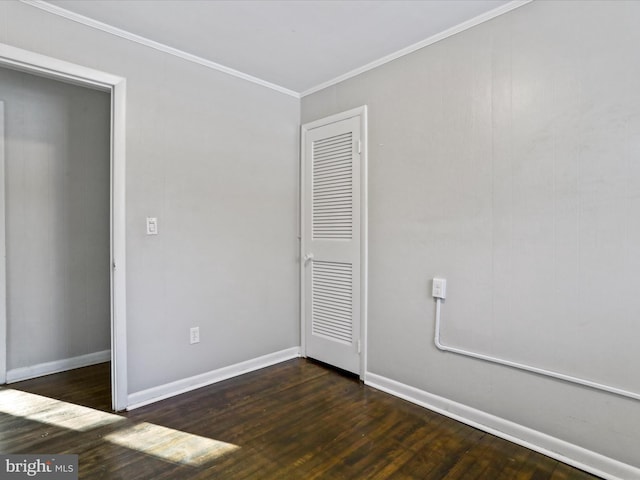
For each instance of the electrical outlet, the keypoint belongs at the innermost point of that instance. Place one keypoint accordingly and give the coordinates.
(194, 335)
(439, 288)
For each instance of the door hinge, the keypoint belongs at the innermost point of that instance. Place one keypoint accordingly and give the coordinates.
(359, 146)
(359, 347)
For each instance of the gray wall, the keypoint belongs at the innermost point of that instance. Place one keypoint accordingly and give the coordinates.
(57, 217)
(215, 159)
(505, 159)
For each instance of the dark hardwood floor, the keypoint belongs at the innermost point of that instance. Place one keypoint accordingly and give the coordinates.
(295, 420)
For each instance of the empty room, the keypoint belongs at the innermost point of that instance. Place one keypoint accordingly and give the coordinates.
(332, 239)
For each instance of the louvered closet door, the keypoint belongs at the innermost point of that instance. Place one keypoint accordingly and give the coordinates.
(331, 243)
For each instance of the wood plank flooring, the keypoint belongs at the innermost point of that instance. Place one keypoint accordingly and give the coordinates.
(295, 420)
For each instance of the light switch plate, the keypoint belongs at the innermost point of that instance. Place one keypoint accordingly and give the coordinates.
(194, 335)
(152, 226)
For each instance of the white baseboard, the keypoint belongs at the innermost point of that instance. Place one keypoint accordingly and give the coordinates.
(561, 450)
(154, 394)
(26, 373)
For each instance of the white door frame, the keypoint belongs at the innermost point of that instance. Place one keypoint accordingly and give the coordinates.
(360, 112)
(29, 62)
(3, 265)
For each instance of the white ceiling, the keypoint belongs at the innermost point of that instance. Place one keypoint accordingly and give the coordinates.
(294, 44)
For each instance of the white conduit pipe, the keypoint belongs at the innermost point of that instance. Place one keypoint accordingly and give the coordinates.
(521, 366)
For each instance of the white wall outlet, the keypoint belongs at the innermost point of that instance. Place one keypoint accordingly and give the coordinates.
(152, 226)
(439, 288)
(194, 335)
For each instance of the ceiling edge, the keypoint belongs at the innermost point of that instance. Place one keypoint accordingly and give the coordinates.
(507, 7)
(89, 22)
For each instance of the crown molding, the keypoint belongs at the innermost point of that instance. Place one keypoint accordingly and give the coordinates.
(89, 22)
(507, 7)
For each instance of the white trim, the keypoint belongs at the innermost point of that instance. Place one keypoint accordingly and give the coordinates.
(118, 247)
(364, 240)
(16, 58)
(553, 447)
(37, 64)
(47, 368)
(364, 232)
(301, 244)
(104, 27)
(3, 252)
(155, 394)
(337, 117)
(89, 22)
(507, 7)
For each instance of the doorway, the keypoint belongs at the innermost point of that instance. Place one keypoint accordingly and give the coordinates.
(114, 87)
(334, 240)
